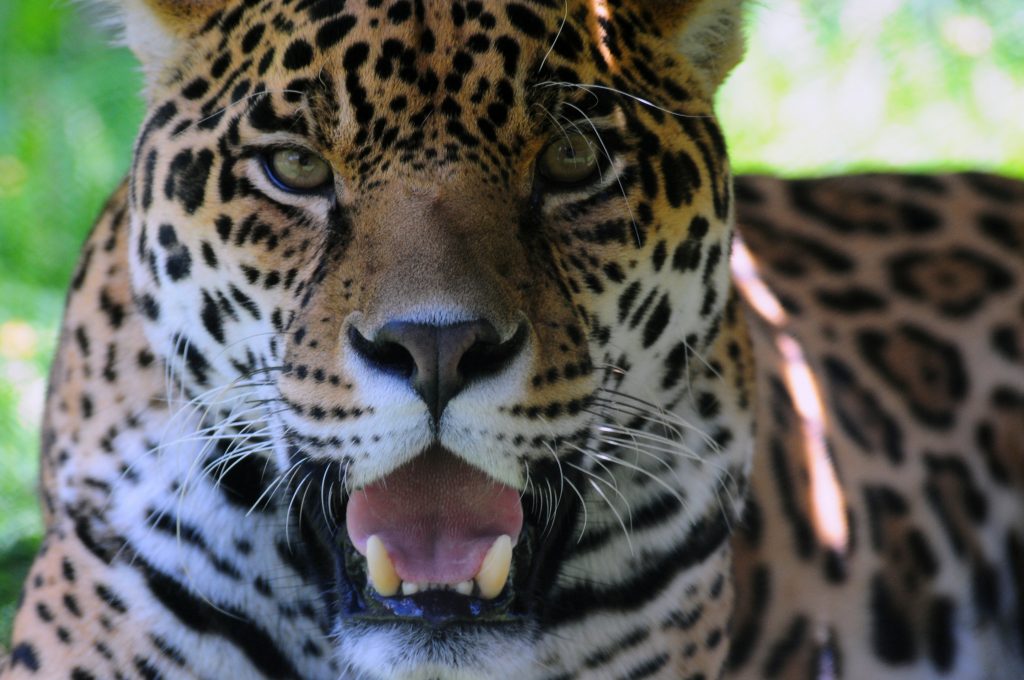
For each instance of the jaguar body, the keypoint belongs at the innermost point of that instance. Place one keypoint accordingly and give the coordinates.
(436, 340)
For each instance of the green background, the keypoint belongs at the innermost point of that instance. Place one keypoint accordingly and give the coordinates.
(828, 86)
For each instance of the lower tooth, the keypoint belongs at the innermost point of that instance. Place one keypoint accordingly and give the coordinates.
(380, 569)
(495, 568)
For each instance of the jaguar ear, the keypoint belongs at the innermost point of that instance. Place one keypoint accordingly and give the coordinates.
(709, 33)
(158, 31)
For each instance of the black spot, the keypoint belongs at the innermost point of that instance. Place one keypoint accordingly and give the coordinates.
(658, 256)
(355, 56)
(149, 306)
(157, 121)
(209, 255)
(334, 31)
(627, 299)
(196, 89)
(67, 569)
(252, 38)
(148, 168)
(892, 636)
(941, 638)
(114, 310)
(211, 317)
(708, 405)
(657, 322)
(166, 236)
(186, 178)
(648, 668)
(918, 220)
(1001, 230)
(883, 505)
(87, 406)
(851, 300)
(1006, 342)
(509, 51)
(399, 12)
(179, 264)
(110, 598)
(788, 485)
(220, 65)
(746, 633)
(71, 604)
(985, 590)
(147, 670)
(224, 226)
(24, 654)
(682, 177)
(298, 55)
(676, 364)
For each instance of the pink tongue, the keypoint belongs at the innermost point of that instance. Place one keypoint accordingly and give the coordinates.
(437, 517)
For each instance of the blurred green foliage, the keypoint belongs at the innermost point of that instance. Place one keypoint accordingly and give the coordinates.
(828, 86)
(831, 86)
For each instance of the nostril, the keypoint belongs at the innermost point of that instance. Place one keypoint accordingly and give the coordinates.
(485, 358)
(438, 361)
(390, 357)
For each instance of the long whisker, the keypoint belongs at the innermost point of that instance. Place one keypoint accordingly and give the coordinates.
(587, 87)
(565, 17)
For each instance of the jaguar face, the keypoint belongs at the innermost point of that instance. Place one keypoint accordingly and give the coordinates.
(434, 261)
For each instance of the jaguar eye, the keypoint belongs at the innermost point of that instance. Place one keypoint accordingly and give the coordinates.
(295, 169)
(569, 159)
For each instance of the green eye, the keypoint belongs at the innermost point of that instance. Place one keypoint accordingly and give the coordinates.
(298, 170)
(570, 159)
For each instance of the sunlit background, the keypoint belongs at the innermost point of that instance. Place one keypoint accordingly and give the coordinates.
(828, 86)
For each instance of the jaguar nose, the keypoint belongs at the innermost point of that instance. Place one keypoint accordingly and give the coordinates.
(438, 361)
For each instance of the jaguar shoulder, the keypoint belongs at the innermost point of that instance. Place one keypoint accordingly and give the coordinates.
(884, 531)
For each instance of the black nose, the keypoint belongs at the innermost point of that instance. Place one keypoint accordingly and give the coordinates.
(439, 361)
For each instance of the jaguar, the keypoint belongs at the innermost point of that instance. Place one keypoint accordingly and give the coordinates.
(434, 339)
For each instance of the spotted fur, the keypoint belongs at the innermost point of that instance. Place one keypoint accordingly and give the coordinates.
(207, 397)
(902, 298)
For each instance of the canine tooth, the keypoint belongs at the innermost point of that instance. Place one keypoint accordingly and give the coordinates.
(494, 570)
(409, 588)
(464, 587)
(380, 569)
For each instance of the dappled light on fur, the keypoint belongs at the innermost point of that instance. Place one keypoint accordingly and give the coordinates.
(826, 495)
(601, 17)
(827, 500)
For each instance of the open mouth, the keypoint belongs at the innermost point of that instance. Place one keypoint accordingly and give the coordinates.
(439, 542)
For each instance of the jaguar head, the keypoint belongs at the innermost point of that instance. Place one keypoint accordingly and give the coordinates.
(458, 270)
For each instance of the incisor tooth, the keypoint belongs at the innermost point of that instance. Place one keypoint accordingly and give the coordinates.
(380, 569)
(410, 588)
(464, 587)
(495, 567)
